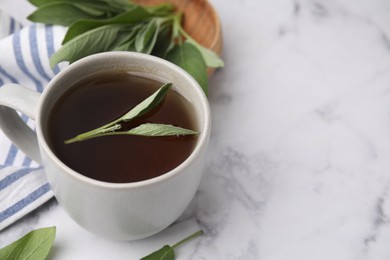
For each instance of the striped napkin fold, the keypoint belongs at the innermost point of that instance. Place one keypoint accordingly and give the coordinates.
(24, 60)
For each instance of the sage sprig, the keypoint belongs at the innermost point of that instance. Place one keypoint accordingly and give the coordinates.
(34, 245)
(167, 252)
(120, 25)
(147, 129)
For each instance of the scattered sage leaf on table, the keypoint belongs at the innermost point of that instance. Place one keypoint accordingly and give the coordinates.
(168, 252)
(33, 246)
(189, 58)
(164, 253)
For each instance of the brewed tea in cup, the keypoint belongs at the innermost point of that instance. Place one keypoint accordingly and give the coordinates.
(100, 98)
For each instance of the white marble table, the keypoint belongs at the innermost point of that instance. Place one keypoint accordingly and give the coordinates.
(299, 159)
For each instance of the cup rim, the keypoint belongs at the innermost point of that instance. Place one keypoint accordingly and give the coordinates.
(202, 138)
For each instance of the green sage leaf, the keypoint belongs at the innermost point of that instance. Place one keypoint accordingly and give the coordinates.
(189, 58)
(150, 129)
(34, 245)
(163, 43)
(165, 253)
(132, 16)
(92, 9)
(39, 3)
(210, 57)
(116, 6)
(126, 40)
(147, 36)
(127, 34)
(161, 9)
(126, 46)
(93, 41)
(148, 104)
(121, 5)
(60, 13)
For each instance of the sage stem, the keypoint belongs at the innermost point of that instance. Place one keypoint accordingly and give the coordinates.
(187, 239)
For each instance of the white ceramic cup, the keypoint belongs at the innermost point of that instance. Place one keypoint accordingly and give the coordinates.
(124, 211)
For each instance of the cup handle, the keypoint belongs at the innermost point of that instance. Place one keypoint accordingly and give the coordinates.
(14, 98)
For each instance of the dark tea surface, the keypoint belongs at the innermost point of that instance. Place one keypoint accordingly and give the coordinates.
(100, 99)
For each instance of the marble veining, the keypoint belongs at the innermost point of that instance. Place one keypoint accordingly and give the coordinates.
(299, 158)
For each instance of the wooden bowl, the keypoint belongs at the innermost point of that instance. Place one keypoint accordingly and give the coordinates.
(200, 21)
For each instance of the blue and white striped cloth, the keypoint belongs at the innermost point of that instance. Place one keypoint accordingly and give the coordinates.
(24, 59)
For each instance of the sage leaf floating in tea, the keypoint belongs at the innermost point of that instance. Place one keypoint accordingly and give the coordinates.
(148, 104)
(121, 25)
(34, 245)
(148, 129)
